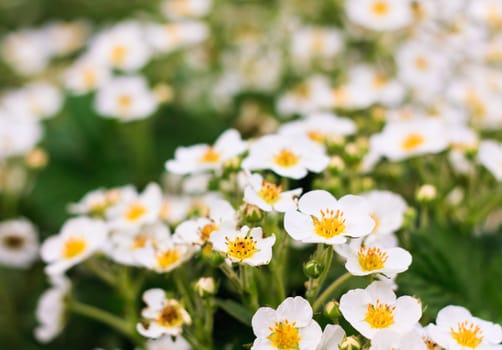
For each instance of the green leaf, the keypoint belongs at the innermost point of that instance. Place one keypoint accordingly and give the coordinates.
(235, 310)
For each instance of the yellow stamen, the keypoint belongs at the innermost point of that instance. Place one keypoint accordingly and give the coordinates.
(316, 135)
(139, 242)
(170, 316)
(286, 158)
(210, 156)
(371, 259)
(380, 8)
(206, 230)
(89, 77)
(270, 192)
(135, 212)
(124, 102)
(73, 247)
(168, 258)
(379, 315)
(467, 334)
(412, 141)
(118, 54)
(284, 336)
(421, 63)
(331, 223)
(241, 247)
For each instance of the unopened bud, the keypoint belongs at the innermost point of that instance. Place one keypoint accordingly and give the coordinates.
(205, 286)
(37, 158)
(313, 268)
(213, 257)
(336, 165)
(426, 193)
(163, 93)
(350, 343)
(232, 165)
(410, 215)
(332, 310)
(251, 213)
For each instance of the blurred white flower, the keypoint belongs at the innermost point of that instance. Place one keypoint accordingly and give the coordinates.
(165, 38)
(380, 14)
(18, 243)
(313, 95)
(490, 156)
(18, 136)
(37, 100)
(178, 9)
(167, 343)
(85, 75)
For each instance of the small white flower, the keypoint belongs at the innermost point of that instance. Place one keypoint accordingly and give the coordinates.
(380, 14)
(286, 156)
(95, 203)
(79, 238)
(125, 98)
(391, 340)
(167, 343)
(376, 308)
(38, 100)
(66, 37)
(376, 259)
(245, 246)
(203, 157)
(162, 315)
(387, 210)
(51, 308)
(289, 327)
(315, 42)
(321, 218)
(18, 243)
(165, 38)
(85, 76)
(268, 196)
(18, 136)
(177, 9)
(457, 329)
(490, 156)
(332, 337)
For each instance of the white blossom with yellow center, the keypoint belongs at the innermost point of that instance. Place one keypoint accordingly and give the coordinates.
(457, 329)
(245, 246)
(387, 210)
(380, 15)
(268, 196)
(289, 327)
(286, 156)
(95, 203)
(162, 316)
(85, 76)
(376, 259)
(321, 218)
(202, 157)
(376, 308)
(79, 238)
(165, 38)
(179, 9)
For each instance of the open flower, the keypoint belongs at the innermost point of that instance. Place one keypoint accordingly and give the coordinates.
(380, 14)
(268, 196)
(457, 329)
(289, 327)
(95, 203)
(202, 157)
(387, 210)
(375, 259)
(85, 76)
(167, 343)
(179, 9)
(376, 308)
(246, 246)
(390, 340)
(162, 315)
(332, 337)
(490, 156)
(18, 243)
(321, 218)
(79, 238)
(285, 156)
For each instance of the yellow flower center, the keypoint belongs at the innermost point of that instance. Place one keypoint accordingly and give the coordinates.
(331, 223)
(412, 141)
(135, 212)
(89, 77)
(380, 8)
(118, 54)
(206, 230)
(73, 247)
(380, 315)
(286, 158)
(170, 316)
(270, 192)
(139, 242)
(475, 105)
(124, 102)
(379, 80)
(315, 135)
(421, 63)
(371, 259)
(241, 247)
(467, 334)
(376, 219)
(210, 156)
(317, 41)
(168, 258)
(285, 336)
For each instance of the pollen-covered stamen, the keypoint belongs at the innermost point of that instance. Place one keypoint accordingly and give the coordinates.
(210, 156)
(330, 224)
(206, 230)
(421, 63)
(168, 258)
(412, 141)
(380, 7)
(371, 259)
(170, 316)
(380, 315)
(286, 158)
(467, 334)
(74, 246)
(285, 335)
(118, 54)
(316, 135)
(139, 242)
(13, 242)
(241, 247)
(135, 211)
(270, 192)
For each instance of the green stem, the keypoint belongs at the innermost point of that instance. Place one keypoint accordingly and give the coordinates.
(102, 273)
(330, 290)
(249, 291)
(183, 291)
(232, 276)
(325, 254)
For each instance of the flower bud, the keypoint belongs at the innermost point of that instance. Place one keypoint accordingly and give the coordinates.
(164, 93)
(213, 257)
(336, 165)
(251, 213)
(410, 215)
(426, 193)
(37, 158)
(232, 165)
(350, 343)
(313, 268)
(205, 286)
(332, 310)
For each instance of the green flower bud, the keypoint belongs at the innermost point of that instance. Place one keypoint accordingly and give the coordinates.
(313, 268)
(332, 310)
(350, 343)
(251, 213)
(426, 193)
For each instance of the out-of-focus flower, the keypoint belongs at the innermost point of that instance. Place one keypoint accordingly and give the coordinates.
(18, 136)
(66, 37)
(165, 38)
(490, 156)
(391, 340)
(79, 238)
(321, 218)
(313, 95)
(332, 337)
(457, 329)
(162, 315)
(376, 308)
(245, 246)
(205, 286)
(380, 14)
(167, 343)
(125, 98)
(426, 193)
(387, 210)
(289, 327)
(315, 42)
(18, 243)
(85, 75)
(179, 9)
(95, 203)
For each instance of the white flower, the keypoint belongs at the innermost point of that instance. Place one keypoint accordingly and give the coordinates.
(376, 259)
(85, 76)
(321, 218)
(18, 136)
(18, 243)
(318, 127)
(79, 238)
(203, 157)
(123, 46)
(289, 327)
(245, 246)
(490, 156)
(387, 210)
(380, 14)
(376, 307)
(162, 315)
(167, 343)
(400, 140)
(391, 340)
(51, 308)
(457, 329)
(38, 100)
(66, 37)
(176, 9)
(95, 203)
(132, 212)
(125, 98)
(286, 156)
(315, 42)
(332, 337)
(165, 38)
(268, 196)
